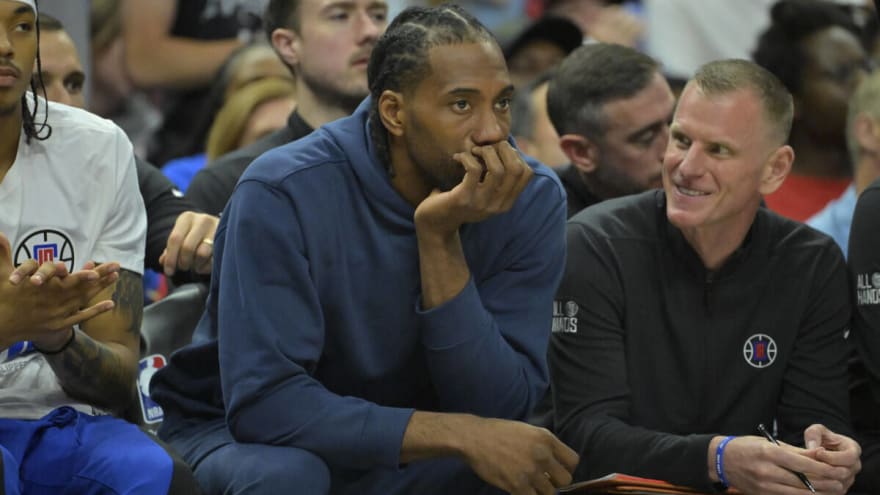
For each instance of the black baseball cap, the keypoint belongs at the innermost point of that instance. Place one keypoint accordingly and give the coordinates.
(557, 30)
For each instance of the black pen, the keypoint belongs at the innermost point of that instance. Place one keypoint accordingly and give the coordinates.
(801, 476)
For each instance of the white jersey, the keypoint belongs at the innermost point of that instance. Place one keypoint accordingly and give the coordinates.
(72, 198)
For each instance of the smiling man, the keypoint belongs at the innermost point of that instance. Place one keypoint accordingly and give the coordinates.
(691, 315)
(380, 296)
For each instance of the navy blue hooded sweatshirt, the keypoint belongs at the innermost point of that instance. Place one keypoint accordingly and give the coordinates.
(314, 336)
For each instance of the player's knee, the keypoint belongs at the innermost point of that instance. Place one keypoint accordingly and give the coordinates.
(263, 470)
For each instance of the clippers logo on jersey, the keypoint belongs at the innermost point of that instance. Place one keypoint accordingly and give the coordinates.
(760, 350)
(868, 289)
(565, 317)
(148, 366)
(44, 246)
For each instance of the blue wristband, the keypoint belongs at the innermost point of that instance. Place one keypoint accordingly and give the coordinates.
(719, 461)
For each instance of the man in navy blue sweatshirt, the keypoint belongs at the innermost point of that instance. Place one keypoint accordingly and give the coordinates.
(380, 306)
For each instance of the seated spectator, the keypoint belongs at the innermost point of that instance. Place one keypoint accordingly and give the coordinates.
(68, 325)
(813, 47)
(250, 63)
(251, 113)
(415, 388)
(691, 315)
(540, 47)
(61, 71)
(863, 140)
(531, 126)
(177, 46)
(611, 106)
(864, 265)
(327, 58)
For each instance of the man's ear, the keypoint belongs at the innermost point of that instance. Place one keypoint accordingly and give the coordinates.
(286, 43)
(581, 152)
(776, 169)
(391, 111)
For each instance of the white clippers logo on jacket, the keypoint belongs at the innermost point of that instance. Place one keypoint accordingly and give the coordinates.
(565, 317)
(759, 350)
(868, 288)
(44, 246)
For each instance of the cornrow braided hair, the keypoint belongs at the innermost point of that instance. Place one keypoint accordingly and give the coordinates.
(399, 60)
(29, 117)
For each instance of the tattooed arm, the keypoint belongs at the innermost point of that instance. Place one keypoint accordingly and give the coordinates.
(100, 364)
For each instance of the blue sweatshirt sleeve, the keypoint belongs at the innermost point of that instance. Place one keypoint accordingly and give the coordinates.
(271, 335)
(486, 348)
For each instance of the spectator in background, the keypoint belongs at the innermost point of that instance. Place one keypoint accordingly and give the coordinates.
(252, 112)
(813, 47)
(531, 126)
(540, 47)
(250, 63)
(177, 46)
(60, 68)
(113, 95)
(326, 45)
(863, 140)
(611, 107)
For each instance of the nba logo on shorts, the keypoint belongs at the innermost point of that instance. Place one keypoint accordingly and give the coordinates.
(149, 365)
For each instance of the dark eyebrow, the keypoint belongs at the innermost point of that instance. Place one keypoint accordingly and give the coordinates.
(653, 126)
(469, 91)
(463, 91)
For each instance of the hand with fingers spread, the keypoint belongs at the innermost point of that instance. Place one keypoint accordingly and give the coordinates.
(753, 465)
(190, 244)
(41, 303)
(493, 180)
(517, 457)
(835, 450)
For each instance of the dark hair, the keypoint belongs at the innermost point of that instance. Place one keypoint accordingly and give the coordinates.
(590, 77)
(400, 58)
(727, 76)
(29, 116)
(779, 47)
(281, 14)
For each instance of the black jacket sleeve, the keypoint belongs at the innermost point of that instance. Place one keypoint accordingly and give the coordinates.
(211, 188)
(164, 203)
(864, 265)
